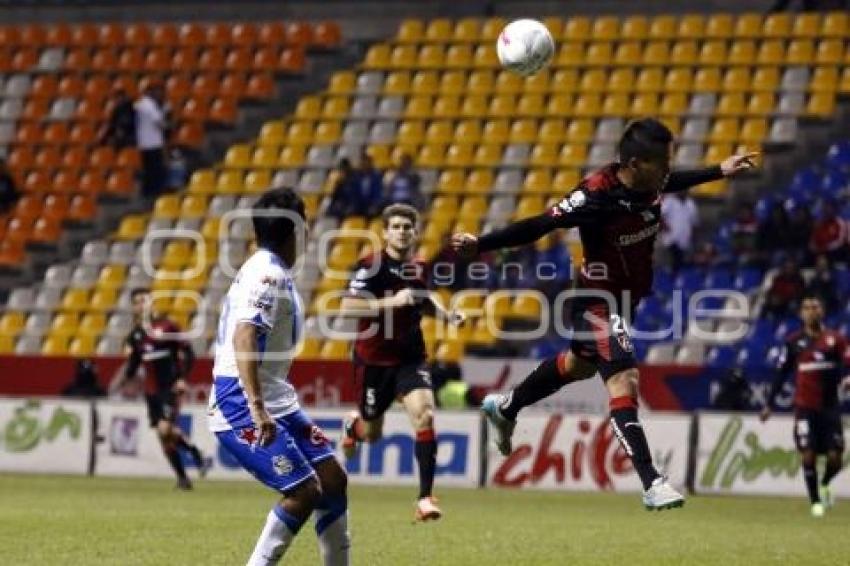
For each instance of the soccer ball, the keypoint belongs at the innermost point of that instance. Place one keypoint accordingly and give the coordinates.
(525, 47)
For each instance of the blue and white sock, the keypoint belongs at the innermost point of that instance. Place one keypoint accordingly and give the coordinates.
(332, 530)
(277, 535)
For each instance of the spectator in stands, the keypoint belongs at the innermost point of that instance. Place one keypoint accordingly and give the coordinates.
(679, 218)
(743, 235)
(799, 232)
(822, 284)
(85, 382)
(344, 192)
(785, 292)
(371, 188)
(151, 126)
(9, 194)
(404, 185)
(735, 393)
(178, 169)
(773, 234)
(120, 129)
(829, 233)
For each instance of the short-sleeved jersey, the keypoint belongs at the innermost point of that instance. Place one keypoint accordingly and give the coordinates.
(396, 337)
(157, 347)
(617, 227)
(818, 364)
(263, 294)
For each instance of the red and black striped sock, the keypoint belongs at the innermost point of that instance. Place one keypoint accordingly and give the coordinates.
(426, 457)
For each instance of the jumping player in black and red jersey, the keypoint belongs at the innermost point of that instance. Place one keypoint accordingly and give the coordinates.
(818, 357)
(167, 361)
(618, 212)
(388, 294)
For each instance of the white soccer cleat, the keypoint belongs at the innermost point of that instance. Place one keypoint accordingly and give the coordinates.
(827, 497)
(818, 510)
(427, 510)
(504, 427)
(661, 495)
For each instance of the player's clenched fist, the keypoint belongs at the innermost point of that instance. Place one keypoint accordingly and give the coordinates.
(465, 244)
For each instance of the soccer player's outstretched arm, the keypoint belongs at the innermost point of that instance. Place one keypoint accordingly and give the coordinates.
(785, 362)
(684, 180)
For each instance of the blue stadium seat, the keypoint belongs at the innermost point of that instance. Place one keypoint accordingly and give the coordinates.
(786, 327)
(763, 207)
(663, 281)
(838, 156)
(762, 331)
(718, 278)
(753, 356)
(721, 357)
(690, 280)
(805, 181)
(833, 183)
(747, 278)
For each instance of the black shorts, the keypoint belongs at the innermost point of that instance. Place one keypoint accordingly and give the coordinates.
(162, 406)
(381, 385)
(601, 337)
(821, 431)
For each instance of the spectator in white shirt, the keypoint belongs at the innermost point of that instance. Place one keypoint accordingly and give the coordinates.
(151, 124)
(680, 217)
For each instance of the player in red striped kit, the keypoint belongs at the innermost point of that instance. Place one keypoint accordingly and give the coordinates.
(819, 358)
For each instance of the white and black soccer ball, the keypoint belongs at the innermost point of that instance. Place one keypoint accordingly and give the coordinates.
(525, 47)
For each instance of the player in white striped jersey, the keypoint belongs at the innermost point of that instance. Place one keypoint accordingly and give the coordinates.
(254, 409)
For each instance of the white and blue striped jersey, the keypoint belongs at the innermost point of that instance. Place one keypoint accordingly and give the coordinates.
(263, 294)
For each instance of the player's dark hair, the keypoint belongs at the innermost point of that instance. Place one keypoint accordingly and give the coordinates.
(646, 139)
(274, 230)
(810, 296)
(400, 209)
(138, 291)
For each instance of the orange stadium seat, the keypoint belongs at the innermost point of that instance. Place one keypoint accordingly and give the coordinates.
(218, 34)
(138, 35)
(244, 34)
(271, 33)
(111, 35)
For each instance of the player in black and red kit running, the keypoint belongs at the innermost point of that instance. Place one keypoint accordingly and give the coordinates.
(167, 361)
(388, 294)
(819, 358)
(617, 210)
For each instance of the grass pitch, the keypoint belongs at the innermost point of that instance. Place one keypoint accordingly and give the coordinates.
(88, 522)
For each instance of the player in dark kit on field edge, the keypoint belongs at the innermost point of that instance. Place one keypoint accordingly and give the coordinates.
(819, 358)
(167, 360)
(388, 294)
(617, 210)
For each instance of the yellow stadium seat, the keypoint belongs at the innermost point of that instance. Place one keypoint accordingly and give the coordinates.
(555, 25)
(335, 108)
(538, 83)
(572, 154)
(537, 181)
(523, 131)
(468, 130)
(806, 25)
(411, 132)
(473, 207)
(717, 152)
(530, 105)
(564, 80)
(167, 206)
(459, 57)
(673, 123)
(560, 105)
(720, 26)
(649, 80)
(748, 25)
(606, 28)
(498, 305)
(565, 181)
(656, 53)
(635, 28)
(684, 52)
(777, 26)
(132, 227)
(616, 105)
(7, 344)
(528, 206)
(594, 81)
(12, 324)
(380, 155)
(328, 132)
(830, 52)
(459, 155)
(451, 181)
(679, 80)
(418, 107)
(587, 106)
(300, 133)
(710, 190)
(724, 130)
(75, 300)
(397, 82)
(425, 83)
(835, 24)
(92, 325)
(310, 348)
(691, 26)
(291, 156)
(265, 157)
(229, 182)
(467, 30)
(488, 155)
(402, 57)
(399, 150)
(479, 181)
(410, 31)
(446, 106)
(824, 79)
(308, 108)
(621, 80)
(765, 79)
(485, 57)
(508, 83)
(273, 133)
(481, 334)
(662, 27)
(439, 30)
(771, 53)
(599, 54)
(673, 104)
(527, 306)
(713, 53)
(344, 82)
(55, 346)
(737, 79)
(238, 156)
(431, 57)
(731, 104)
(742, 52)
(335, 350)
(821, 105)
(377, 57)
(112, 276)
(450, 351)
(570, 55)
(761, 103)
(800, 52)
(64, 324)
(440, 132)
(202, 181)
(193, 206)
(581, 130)
(544, 155)
(82, 346)
(496, 131)
(707, 80)
(481, 82)
(552, 131)
(492, 28)
(577, 28)
(644, 105)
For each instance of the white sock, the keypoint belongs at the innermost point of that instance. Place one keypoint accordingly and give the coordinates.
(277, 535)
(332, 531)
